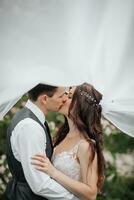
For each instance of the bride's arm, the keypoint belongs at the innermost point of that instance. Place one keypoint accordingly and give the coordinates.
(87, 189)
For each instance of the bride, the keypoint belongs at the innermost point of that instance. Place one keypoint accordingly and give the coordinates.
(78, 162)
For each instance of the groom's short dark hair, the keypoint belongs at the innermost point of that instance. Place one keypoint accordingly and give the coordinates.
(35, 92)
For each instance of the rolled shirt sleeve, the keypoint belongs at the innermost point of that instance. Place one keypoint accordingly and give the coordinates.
(28, 138)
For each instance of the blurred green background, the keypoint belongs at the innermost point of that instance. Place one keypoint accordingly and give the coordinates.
(118, 152)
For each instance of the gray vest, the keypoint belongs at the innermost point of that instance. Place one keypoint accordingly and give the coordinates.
(18, 188)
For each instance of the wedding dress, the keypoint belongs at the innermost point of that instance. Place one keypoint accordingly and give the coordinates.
(67, 163)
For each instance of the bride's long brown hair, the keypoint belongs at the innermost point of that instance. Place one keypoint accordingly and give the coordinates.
(85, 112)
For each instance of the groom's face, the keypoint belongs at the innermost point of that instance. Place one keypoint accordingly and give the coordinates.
(55, 102)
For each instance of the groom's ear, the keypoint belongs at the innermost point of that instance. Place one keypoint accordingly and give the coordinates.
(42, 98)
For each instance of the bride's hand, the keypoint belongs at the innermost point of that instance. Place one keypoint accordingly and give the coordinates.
(42, 163)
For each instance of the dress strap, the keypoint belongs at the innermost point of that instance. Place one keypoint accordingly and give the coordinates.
(76, 147)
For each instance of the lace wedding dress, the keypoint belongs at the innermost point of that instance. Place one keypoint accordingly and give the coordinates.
(67, 163)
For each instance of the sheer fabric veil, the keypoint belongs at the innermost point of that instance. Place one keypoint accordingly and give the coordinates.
(68, 42)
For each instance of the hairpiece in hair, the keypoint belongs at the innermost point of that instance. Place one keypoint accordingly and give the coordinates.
(89, 97)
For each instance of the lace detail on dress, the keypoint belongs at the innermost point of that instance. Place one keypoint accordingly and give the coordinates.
(67, 162)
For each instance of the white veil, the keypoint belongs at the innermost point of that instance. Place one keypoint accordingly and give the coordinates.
(68, 42)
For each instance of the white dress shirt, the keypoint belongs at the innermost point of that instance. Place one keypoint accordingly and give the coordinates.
(27, 139)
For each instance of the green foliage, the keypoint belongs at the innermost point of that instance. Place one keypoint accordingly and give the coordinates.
(3, 128)
(118, 142)
(119, 188)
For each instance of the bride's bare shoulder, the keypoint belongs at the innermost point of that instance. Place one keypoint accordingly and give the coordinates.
(85, 148)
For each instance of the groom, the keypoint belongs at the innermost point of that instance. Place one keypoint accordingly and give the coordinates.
(27, 135)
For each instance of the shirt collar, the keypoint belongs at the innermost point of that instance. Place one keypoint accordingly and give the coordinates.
(39, 114)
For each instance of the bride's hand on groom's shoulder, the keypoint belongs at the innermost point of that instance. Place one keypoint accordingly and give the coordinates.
(42, 163)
